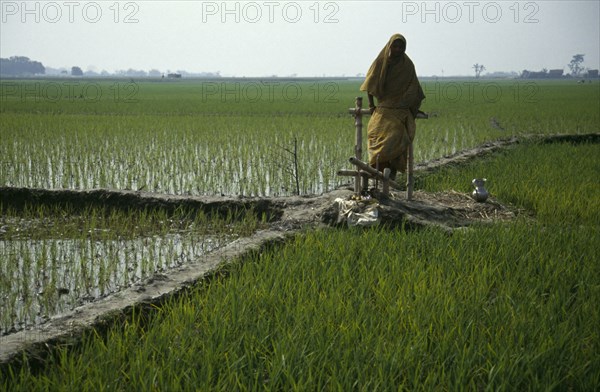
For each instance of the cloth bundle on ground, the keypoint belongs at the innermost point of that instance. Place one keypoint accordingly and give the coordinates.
(393, 81)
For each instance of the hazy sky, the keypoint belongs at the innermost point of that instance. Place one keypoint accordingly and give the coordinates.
(307, 38)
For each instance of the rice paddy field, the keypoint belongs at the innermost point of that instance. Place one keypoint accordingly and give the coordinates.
(212, 137)
(505, 306)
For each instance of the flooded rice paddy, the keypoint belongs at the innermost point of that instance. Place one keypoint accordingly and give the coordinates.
(55, 259)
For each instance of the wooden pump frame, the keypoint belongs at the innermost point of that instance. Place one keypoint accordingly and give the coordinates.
(363, 171)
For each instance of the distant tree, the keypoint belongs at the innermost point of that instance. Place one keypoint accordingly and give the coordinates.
(131, 73)
(575, 64)
(479, 68)
(155, 73)
(76, 71)
(20, 65)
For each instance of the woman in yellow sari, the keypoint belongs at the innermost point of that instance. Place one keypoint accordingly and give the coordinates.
(392, 79)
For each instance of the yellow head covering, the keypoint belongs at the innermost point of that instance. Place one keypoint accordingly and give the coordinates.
(375, 78)
(405, 77)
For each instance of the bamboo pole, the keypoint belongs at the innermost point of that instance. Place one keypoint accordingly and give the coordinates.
(362, 111)
(373, 172)
(386, 180)
(410, 181)
(358, 112)
(353, 173)
(358, 142)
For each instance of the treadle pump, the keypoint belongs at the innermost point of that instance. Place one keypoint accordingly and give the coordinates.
(364, 171)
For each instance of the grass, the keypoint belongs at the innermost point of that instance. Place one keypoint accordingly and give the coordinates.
(510, 306)
(57, 258)
(502, 307)
(568, 196)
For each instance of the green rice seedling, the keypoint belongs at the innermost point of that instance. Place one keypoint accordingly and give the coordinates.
(445, 314)
(174, 141)
(502, 306)
(407, 315)
(97, 252)
(555, 181)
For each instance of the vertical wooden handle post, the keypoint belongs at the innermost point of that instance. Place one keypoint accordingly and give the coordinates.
(358, 142)
(410, 182)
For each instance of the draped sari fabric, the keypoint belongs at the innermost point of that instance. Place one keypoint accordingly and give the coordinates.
(393, 81)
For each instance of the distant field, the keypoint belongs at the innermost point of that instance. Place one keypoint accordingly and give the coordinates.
(216, 137)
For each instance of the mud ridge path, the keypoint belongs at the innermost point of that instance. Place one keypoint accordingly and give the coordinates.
(287, 217)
